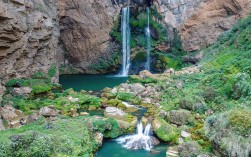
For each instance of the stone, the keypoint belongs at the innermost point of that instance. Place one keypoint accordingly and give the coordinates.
(22, 91)
(2, 90)
(71, 99)
(84, 114)
(179, 84)
(11, 116)
(73, 112)
(32, 118)
(47, 112)
(113, 112)
(99, 138)
(172, 151)
(85, 33)
(178, 117)
(164, 130)
(185, 134)
(144, 74)
(170, 71)
(28, 39)
(137, 88)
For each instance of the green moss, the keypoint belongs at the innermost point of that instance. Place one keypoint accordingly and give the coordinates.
(240, 121)
(52, 71)
(108, 127)
(165, 131)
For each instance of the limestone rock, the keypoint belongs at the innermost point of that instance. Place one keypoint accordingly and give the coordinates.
(85, 26)
(28, 38)
(114, 112)
(137, 88)
(22, 91)
(172, 151)
(178, 117)
(201, 22)
(47, 112)
(12, 116)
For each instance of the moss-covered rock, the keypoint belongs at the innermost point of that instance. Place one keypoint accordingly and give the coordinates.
(178, 117)
(164, 130)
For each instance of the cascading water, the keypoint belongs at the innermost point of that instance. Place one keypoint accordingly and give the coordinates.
(140, 140)
(125, 29)
(148, 40)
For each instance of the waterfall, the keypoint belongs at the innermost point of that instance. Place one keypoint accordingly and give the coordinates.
(148, 40)
(125, 29)
(140, 140)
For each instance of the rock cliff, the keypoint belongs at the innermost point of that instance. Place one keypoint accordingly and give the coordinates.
(200, 22)
(85, 26)
(28, 37)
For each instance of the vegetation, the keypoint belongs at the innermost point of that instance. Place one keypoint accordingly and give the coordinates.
(64, 137)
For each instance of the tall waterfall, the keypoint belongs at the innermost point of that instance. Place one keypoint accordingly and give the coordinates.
(148, 40)
(140, 140)
(125, 29)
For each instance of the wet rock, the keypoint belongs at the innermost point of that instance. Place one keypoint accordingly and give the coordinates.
(22, 91)
(178, 117)
(47, 112)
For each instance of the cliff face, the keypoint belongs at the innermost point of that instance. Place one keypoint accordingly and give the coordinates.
(85, 26)
(28, 37)
(200, 22)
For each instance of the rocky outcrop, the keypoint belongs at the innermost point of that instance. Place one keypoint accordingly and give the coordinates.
(85, 26)
(28, 37)
(201, 22)
(13, 118)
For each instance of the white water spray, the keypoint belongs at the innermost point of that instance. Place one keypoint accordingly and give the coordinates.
(125, 29)
(140, 140)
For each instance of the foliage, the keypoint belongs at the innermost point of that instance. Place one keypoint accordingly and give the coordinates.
(52, 71)
(64, 137)
(109, 127)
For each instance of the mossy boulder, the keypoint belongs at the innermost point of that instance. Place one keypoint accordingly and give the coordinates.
(114, 102)
(178, 117)
(165, 131)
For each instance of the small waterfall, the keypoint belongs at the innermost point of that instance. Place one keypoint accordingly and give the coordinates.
(125, 29)
(148, 40)
(140, 140)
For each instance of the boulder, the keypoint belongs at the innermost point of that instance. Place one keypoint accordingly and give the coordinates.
(32, 118)
(11, 116)
(71, 99)
(165, 131)
(113, 112)
(178, 117)
(172, 151)
(144, 74)
(185, 134)
(22, 91)
(47, 112)
(73, 112)
(137, 88)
